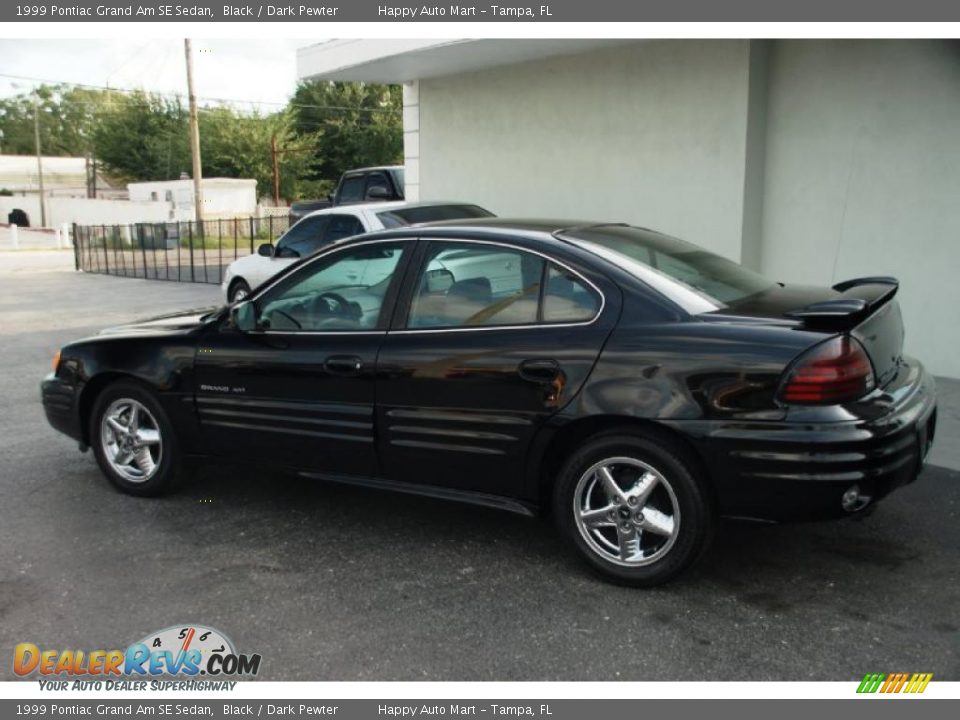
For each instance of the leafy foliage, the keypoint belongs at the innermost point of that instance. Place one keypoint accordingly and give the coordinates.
(66, 121)
(327, 128)
(356, 125)
(142, 137)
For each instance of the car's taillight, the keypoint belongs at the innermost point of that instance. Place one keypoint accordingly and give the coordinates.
(834, 372)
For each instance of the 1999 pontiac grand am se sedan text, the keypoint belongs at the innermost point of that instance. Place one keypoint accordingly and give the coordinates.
(633, 385)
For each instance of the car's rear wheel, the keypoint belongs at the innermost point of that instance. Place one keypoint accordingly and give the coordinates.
(239, 290)
(633, 508)
(133, 440)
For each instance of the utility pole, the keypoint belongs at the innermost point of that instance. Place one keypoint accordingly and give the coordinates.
(36, 139)
(194, 138)
(276, 170)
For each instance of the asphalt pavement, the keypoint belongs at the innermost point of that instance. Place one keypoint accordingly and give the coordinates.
(329, 582)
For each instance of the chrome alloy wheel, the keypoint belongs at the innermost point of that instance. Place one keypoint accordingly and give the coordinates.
(240, 294)
(626, 511)
(130, 439)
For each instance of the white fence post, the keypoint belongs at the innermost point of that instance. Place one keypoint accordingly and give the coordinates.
(65, 236)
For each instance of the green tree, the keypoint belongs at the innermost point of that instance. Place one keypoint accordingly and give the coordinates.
(139, 136)
(352, 124)
(67, 116)
(236, 145)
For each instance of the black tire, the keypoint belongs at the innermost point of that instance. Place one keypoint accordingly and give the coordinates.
(167, 465)
(681, 490)
(238, 286)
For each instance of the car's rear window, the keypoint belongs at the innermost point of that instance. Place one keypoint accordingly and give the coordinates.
(399, 179)
(430, 213)
(696, 279)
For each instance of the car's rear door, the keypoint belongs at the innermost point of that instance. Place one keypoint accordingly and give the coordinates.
(488, 341)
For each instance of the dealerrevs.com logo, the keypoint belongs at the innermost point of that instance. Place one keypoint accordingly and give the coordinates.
(180, 650)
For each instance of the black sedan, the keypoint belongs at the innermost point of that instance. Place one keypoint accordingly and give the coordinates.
(631, 384)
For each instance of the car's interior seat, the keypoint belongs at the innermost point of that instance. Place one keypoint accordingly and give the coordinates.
(474, 290)
(466, 298)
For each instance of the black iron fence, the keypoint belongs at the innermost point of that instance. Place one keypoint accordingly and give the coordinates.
(178, 251)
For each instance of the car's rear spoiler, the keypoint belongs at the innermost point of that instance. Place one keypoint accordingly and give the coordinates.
(858, 299)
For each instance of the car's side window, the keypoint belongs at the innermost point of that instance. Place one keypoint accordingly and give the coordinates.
(484, 285)
(476, 285)
(352, 189)
(566, 298)
(342, 226)
(345, 291)
(303, 238)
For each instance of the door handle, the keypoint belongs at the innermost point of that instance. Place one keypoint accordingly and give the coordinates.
(539, 371)
(346, 365)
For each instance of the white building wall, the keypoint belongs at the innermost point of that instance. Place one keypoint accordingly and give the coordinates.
(862, 176)
(222, 197)
(83, 211)
(411, 140)
(653, 133)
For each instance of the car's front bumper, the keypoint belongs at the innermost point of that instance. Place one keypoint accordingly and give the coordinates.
(60, 406)
(801, 467)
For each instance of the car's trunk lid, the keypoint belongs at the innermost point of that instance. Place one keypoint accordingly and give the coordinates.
(865, 308)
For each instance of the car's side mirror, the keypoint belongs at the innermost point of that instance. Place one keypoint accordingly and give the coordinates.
(265, 250)
(378, 192)
(244, 316)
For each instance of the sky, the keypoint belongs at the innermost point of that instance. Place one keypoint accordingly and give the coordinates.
(255, 74)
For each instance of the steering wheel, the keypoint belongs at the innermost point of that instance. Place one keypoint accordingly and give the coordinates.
(341, 306)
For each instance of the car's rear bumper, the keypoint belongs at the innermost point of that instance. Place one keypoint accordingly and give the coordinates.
(800, 467)
(60, 406)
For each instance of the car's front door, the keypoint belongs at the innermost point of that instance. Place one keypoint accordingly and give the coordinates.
(489, 340)
(299, 389)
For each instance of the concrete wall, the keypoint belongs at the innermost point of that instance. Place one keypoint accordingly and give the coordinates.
(222, 197)
(16, 238)
(862, 176)
(653, 133)
(814, 161)
(83, 211)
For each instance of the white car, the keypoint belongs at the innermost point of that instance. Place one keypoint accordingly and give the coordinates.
(323, 227)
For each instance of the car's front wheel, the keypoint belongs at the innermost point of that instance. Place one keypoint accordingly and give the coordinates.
(634, 508)
(133, 440)
(239, 290)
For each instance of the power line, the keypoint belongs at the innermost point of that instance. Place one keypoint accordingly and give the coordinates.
(180, 96)
(136, 53)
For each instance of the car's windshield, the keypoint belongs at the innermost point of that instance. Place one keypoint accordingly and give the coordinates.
(399, 217)
(302, 238)
(697, 280)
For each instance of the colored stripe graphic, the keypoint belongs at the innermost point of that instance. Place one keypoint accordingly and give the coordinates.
(870, 683)
(894, 683)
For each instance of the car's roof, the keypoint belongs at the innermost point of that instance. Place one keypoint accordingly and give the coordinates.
(534, 228)
(382, 206)
(528, 225)
(373, 167)
(544, 231)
